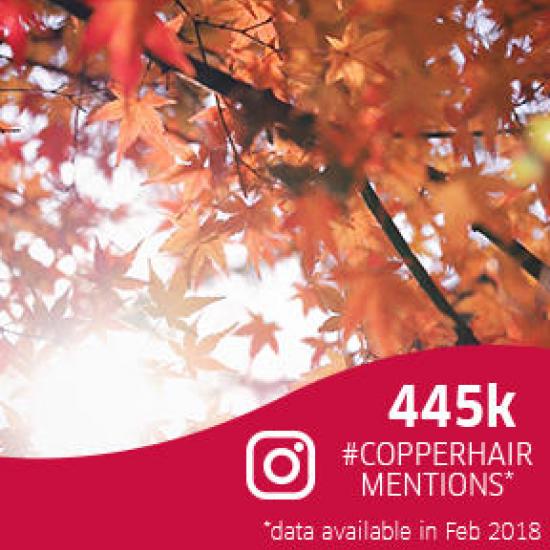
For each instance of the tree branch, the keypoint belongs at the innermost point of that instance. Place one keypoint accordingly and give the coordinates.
(448, 134)
(64, 72)
(526, 259)
(299, 127)
(463, 331)
(78, 9)
(296, 125)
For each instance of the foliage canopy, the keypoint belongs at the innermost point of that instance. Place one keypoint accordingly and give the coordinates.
(400, 150)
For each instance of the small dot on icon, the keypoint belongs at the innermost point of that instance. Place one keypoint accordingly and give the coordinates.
(298, 446)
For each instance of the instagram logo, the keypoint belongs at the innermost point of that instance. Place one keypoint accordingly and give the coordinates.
(280, 465)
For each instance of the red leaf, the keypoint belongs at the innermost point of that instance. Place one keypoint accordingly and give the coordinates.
(126, 28)
(15, 16)
(262, 334)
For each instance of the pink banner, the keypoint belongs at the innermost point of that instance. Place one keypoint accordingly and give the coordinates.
(442, 449)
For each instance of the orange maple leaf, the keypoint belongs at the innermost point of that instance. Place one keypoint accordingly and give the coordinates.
(262, 333)
(196, 351)
(138, 117)
(258, 224)
(314, 295)
(170, 302)
(199, 246)
(314, 216)
(368, 289)
(352, 54)
(308, 296)
(126, 28)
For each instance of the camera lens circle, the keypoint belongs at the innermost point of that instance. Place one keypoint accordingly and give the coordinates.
(294, 466)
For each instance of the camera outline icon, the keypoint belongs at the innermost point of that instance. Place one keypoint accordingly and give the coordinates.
(302, 447)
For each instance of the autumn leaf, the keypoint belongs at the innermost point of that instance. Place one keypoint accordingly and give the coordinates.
(377, 300)
(126, 28)
(261, 334)
(320, 347)
(315, 294)
(308, 295)
(260, 228)
(199, 246)
(196, 350)
(52, 321)
(470, 197)
(332, 324)
(139, 120)
(57, 139)
(353, 54)
(312, 219)
(170, 301)
(15, 18)
(34, 189)
(109, 270)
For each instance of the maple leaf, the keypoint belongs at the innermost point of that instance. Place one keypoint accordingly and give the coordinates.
(15, 18)
(259, 226)
(308, 296)
(315, 295)
(196, 351)
(320, 347)
(175, 164)
(369, 293)
(126, 28)
(139, 119)
(171, 303)
(34, 190)
(57, 139)
(53, 321)
(198, 245)
(312, 220)
(353, 53)
(470, 197)
(265, 246)
(109, 270)
(262, 334)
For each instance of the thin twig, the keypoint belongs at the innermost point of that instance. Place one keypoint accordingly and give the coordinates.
(24, 90)
(449, 134)
(227, 131)
(243, 31)
(32, 62)
(5, 330)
